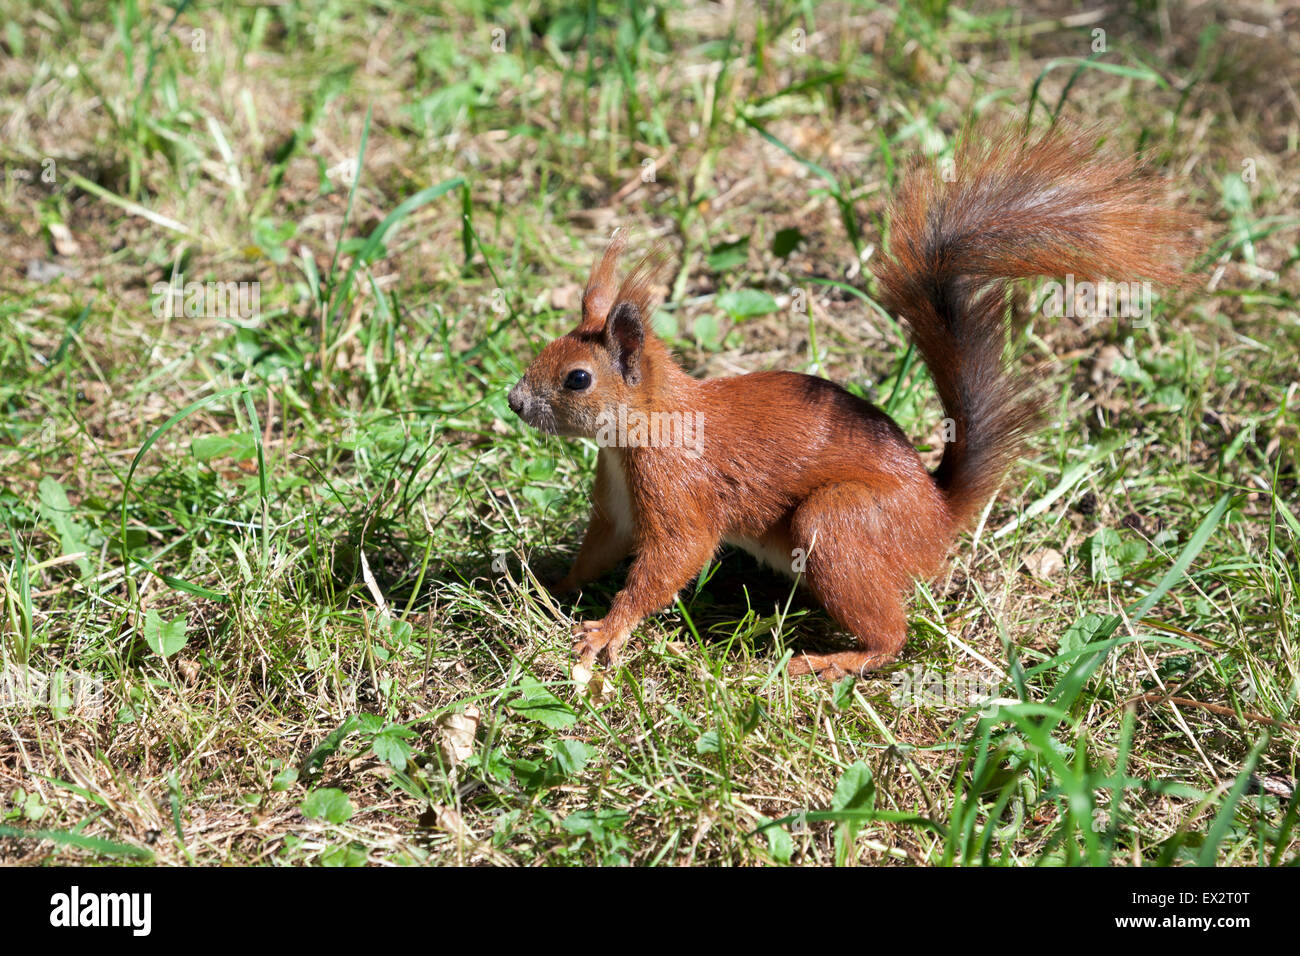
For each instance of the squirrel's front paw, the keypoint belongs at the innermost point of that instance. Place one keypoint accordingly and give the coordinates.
(597, 638)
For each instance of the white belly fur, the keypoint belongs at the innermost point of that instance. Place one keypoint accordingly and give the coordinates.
(773, 557)
(616, 501)
(618, 507)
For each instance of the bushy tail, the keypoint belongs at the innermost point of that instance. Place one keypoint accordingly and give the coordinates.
(1013, 209)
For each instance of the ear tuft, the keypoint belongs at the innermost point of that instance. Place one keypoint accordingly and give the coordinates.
(625, 339)
(602, 286)
(641, 287)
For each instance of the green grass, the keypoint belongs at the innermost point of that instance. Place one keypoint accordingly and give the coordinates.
(300, 548)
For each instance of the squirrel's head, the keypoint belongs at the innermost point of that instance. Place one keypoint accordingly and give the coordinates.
(581, 377)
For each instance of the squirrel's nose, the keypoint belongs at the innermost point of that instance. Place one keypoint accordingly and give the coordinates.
(516, 400)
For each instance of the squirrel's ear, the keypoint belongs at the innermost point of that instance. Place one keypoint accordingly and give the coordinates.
(602, 286)
(625, 338)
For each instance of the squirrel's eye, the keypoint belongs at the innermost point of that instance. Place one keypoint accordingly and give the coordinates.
(578, 379)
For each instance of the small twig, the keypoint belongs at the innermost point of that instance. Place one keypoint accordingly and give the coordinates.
(637, 181)
(1220, 709)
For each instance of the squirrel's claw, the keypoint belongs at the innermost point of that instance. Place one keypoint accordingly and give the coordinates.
(595, 640)
(823, 667)
(835, 667)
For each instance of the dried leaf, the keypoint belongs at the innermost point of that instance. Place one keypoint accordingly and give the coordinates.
(1044, 563)
(456, 734)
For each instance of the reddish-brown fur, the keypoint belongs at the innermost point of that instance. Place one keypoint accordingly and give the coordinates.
(794, 465)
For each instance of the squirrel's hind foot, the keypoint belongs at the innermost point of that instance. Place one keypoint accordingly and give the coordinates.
(833, 667)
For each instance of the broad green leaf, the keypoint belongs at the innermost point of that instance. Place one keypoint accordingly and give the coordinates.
(349, 855)
(1080, 634)
(728, 255)
(1111, 555)
(369, 723)
(856, 792)
(567, 758)
(570, 756)
(856, 789)
(538, 703)
(843, 694)
(327, 747)
(327, 803)
(744, 303)
(57, 510)
(391, 748)
(240, 447)
(707, 331)
(594, 823)
(708, 743)
(164, 637)
(786, 241)
(779, 842)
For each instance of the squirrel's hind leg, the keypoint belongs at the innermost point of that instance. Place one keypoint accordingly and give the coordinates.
(853, 569)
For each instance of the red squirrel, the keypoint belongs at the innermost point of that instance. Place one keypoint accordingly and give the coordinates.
(795, 469)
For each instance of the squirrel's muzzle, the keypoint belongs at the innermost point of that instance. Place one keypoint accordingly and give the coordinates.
(517, 399)
(532, 408)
